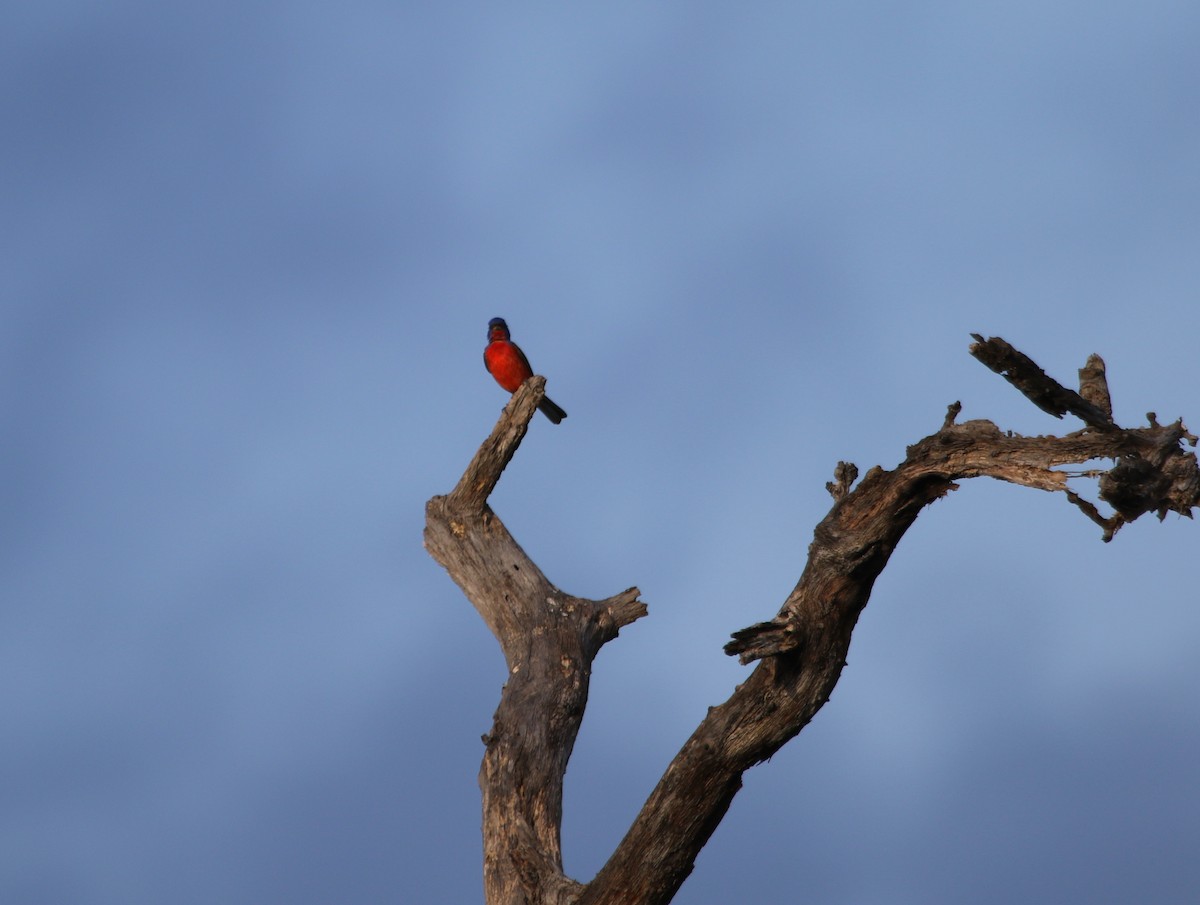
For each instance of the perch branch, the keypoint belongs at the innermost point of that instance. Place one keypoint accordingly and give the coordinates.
(549, 639)
(489, 462)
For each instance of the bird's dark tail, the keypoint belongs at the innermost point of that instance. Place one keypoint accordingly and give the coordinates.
(550, 410)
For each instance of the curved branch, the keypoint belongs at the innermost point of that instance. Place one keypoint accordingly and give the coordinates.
(803, 649)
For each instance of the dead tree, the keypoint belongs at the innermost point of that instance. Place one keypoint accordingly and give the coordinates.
(550, 638)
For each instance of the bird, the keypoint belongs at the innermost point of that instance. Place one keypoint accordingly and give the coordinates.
(507, 363)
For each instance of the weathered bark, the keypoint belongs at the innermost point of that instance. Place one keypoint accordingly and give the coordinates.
(550, 638)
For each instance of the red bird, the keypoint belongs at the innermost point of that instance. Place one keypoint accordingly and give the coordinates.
(507, 363)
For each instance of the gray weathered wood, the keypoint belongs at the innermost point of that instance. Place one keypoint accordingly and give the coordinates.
(549, 639)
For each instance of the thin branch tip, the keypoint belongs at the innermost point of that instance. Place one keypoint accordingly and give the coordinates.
(494, 454)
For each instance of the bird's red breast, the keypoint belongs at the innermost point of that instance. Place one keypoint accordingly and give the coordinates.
(506, 362)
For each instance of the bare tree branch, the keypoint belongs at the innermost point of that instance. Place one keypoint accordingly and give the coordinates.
(550, 638)
(804, 648)
(482, 475)
(1047, 394)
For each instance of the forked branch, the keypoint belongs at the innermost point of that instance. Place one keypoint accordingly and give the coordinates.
(549, 639)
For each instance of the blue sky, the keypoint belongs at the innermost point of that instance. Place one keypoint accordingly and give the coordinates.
(249, 255)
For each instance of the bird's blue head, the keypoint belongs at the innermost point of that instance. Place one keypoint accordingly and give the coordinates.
(497, 326)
